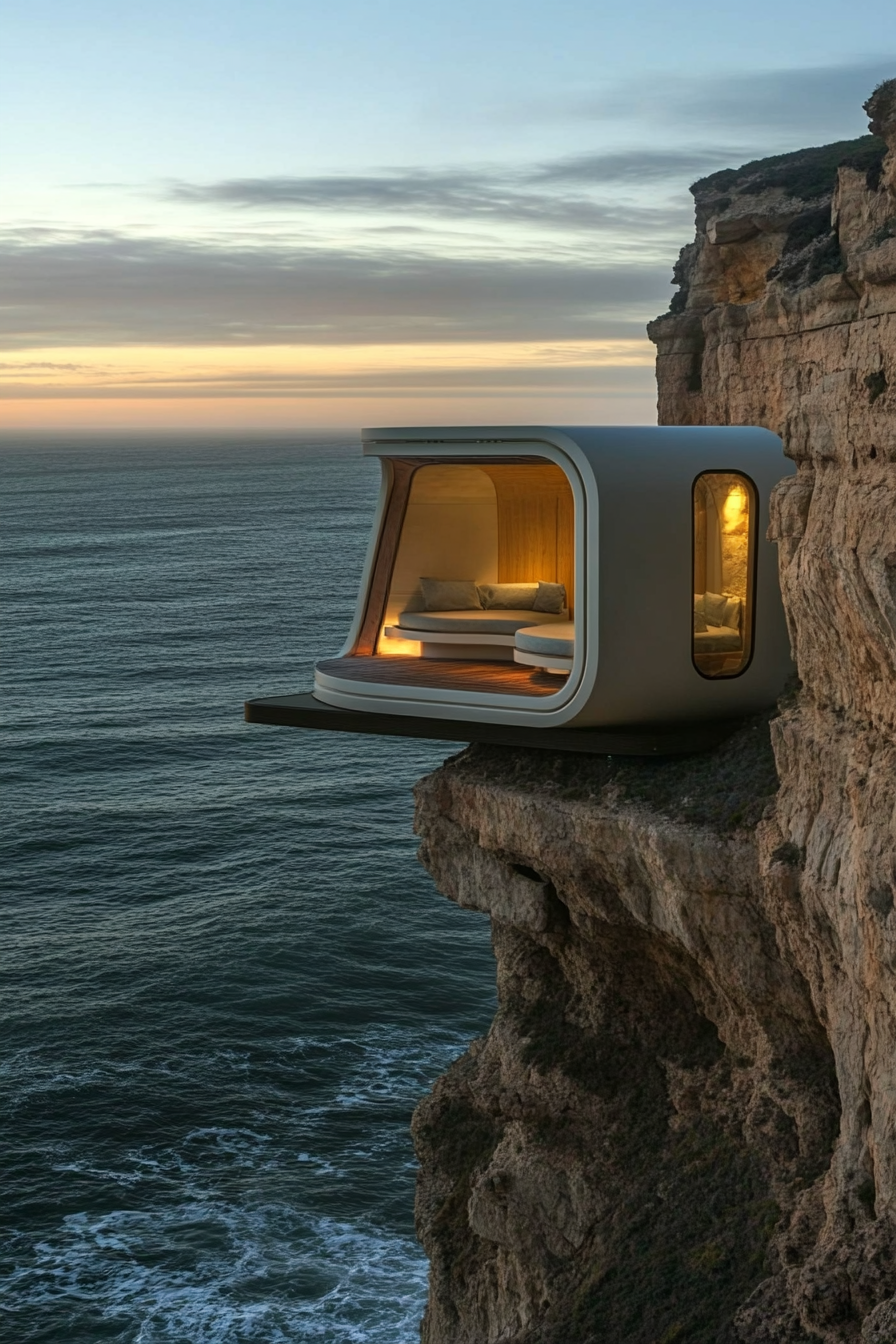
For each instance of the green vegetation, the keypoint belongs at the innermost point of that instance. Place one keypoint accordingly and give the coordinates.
(808, 226)
(803, 173)
(811, 250)
(881, 106)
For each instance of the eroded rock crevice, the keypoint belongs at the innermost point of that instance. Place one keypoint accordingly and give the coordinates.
(682, 1122)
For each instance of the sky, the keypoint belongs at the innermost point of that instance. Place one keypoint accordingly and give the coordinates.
(301, 216)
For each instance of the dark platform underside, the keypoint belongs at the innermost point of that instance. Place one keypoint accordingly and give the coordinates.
(445, 674)
(303, 711)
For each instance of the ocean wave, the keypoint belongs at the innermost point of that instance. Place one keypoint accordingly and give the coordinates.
(263, 1273)
(229, 981)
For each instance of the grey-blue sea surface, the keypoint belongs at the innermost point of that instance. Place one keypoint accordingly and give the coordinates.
(226, 979)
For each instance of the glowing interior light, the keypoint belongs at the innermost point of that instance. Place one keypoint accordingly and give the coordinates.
(735, 507)
(397, 648)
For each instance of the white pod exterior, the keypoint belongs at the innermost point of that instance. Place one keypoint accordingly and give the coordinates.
(634, 500)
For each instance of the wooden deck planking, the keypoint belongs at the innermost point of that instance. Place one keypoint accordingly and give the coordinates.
(446, 674)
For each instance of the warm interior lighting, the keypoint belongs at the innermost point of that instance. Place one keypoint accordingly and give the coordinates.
(735, 508)
(722, 586)
(491, 522)
(453, 534)
(397, 648)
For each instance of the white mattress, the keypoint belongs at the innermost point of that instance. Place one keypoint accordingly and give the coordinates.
(493, 621)
(717, 639)
(560, 642)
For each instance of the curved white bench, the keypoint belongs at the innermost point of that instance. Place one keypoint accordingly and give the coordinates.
(551, 649)
(489, 633)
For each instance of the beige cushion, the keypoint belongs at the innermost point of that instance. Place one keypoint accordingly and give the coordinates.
(714, 605)
(731, 614)
(450, 595)
(550, 597)
(508, 596)
(498, 622)
(558, 640)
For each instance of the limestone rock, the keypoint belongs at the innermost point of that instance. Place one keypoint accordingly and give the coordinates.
(682, 1122)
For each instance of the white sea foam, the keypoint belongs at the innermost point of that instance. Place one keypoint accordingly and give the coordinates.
(355, 1282)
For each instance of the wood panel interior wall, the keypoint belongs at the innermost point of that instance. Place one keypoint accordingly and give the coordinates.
(536, 520)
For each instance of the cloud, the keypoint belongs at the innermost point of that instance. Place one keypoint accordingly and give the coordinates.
(107, 289)
(634, 167)
(815, 103)
(719, 121)
(458, 381)
(42, 365)
(470, 195)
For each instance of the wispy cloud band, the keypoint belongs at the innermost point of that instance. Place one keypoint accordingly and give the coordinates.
(539, 194)
(819, 101)
(105, 289)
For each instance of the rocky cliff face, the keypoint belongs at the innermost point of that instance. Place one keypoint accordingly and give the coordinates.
(682, 1123)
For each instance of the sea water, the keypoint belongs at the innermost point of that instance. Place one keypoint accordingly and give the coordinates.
(226, 979)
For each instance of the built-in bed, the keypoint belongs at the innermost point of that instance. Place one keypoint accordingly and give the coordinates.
(492, 628)
(718, 618)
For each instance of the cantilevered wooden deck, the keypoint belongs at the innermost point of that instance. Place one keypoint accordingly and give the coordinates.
(303, 711)
(445, 674)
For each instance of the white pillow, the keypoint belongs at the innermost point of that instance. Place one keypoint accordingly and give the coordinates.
(714, 605)
(508, 596)
(731, 614)
(450, 595)
(550, 597)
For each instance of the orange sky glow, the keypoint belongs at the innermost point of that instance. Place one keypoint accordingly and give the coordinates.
(279, 386)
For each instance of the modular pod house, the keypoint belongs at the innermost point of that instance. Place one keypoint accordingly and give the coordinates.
(545, 584)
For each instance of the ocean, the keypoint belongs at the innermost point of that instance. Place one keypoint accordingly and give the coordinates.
(226, 980)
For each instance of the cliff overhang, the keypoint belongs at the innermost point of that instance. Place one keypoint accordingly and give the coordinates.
(682, 1122)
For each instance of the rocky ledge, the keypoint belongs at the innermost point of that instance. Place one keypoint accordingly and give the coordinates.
(681, 1125)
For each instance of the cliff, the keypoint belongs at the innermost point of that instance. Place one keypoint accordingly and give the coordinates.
(681, 1125)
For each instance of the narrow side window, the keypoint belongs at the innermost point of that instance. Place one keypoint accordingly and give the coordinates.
(725, 516)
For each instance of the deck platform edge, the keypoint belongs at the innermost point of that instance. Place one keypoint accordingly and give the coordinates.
(304, 711)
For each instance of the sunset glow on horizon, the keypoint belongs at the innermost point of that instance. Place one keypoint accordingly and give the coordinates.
(323, 386)
(330, 218)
